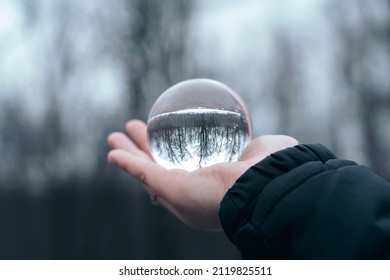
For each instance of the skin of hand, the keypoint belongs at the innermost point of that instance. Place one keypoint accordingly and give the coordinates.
(193, 197)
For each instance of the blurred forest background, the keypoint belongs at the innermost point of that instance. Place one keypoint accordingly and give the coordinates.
(73, 71)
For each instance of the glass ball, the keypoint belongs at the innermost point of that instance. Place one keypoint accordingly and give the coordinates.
(198, 123)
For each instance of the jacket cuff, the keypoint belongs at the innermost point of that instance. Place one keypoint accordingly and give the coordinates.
(250, 185)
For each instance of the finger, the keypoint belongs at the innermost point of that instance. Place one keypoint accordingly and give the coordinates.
(118, 140)
(143, 169)
(136, 166)
(137, 131)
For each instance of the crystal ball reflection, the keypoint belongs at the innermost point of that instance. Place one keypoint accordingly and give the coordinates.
(198, 123)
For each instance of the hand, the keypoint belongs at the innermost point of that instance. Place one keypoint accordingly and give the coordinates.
(193, 197)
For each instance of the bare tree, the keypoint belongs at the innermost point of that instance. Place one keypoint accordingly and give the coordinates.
(285, 86)
(364, 46)
(153, 50)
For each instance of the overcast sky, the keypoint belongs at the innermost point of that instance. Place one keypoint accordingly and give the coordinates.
(228, 31)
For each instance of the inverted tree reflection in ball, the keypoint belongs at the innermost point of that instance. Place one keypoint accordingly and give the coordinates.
(198, 123)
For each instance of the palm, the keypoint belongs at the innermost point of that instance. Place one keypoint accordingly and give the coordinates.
(193, 197)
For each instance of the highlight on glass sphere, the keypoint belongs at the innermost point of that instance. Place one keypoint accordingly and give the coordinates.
(198, 123)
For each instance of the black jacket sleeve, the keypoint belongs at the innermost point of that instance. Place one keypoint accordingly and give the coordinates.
(303, 203)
